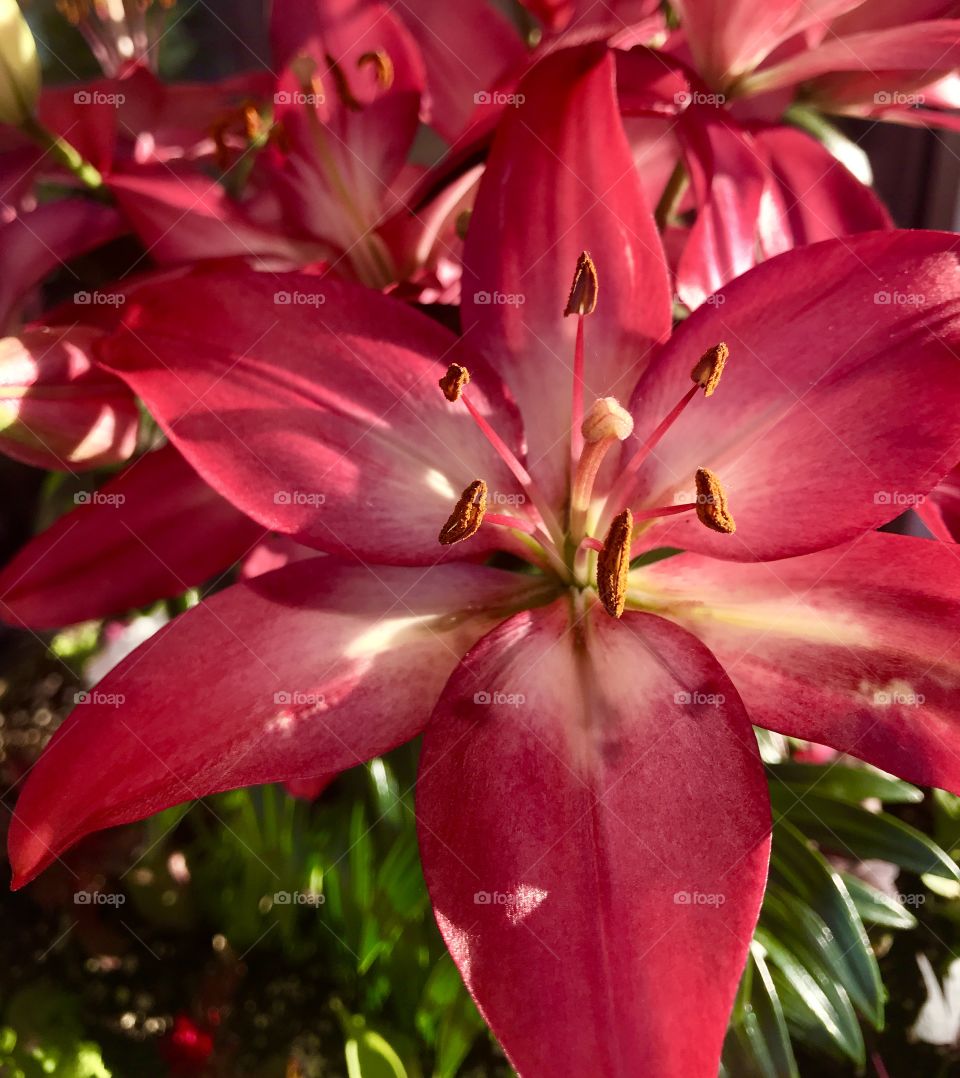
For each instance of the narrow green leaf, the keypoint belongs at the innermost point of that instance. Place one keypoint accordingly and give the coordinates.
(875, 907)
(855, 832)
(809, 877)
(844, 783)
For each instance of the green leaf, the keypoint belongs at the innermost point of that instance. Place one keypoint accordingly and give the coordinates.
(844, 783)
(807, 876)
(369, 1055)
(826, 1001)
(765, 1048)
(855, 832)
(875, 907)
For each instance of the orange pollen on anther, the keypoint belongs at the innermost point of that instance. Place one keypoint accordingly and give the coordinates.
(454, 381)
(382, 65)
(467, 515)
(709, 368)
(712, 503)
(583, 292)
(613, 564)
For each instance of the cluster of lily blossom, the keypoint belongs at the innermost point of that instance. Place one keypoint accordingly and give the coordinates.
(548, 381)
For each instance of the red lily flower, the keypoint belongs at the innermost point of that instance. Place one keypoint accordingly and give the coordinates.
(592, 808)
(880, 58)
(754, 189)
(58, 409)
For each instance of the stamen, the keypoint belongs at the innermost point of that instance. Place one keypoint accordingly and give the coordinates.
(342, 85)
(467, 515)
(457, 377)
(613, 564)
(453, 382)
(706, 376)
(709, 368)
(712, 503)
(382, 64)
(583, 292)
(581, 301)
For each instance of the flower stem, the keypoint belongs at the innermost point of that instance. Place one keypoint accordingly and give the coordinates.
(672, 194)
(64, 153)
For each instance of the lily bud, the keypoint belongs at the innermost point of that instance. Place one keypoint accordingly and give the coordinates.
(19, 66)
(59, 410)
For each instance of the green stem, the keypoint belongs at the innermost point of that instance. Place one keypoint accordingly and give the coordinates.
(63, 152)
(672, 194)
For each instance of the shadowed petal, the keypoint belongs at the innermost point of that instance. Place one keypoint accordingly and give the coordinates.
(301, 672)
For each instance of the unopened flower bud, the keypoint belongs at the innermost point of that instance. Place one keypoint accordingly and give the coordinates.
(19, 66)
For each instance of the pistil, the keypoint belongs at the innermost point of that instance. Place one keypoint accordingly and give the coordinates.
(606, 424)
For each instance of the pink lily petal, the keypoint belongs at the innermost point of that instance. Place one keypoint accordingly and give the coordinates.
(809, 195)
(181, 216)
(593, 827)
(38, 241)
(274, 552)
(923, 51)
(58, 410)
(468, 49)
(560, 180)
(273, 387)
(856, 647)
(289, 673)
(842, 384)
(941, 509)
(727, 177)
(729, 37)
(150, 533)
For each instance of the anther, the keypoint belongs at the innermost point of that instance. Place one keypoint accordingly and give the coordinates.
(709, 368)
(342, 85)
(467, 515)
(583, 292)
(606, 419)
(613, 564)
(453, 382)
(712, 503)
(382, 65)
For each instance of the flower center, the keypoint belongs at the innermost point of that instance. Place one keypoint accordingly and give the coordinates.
(572, 549)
